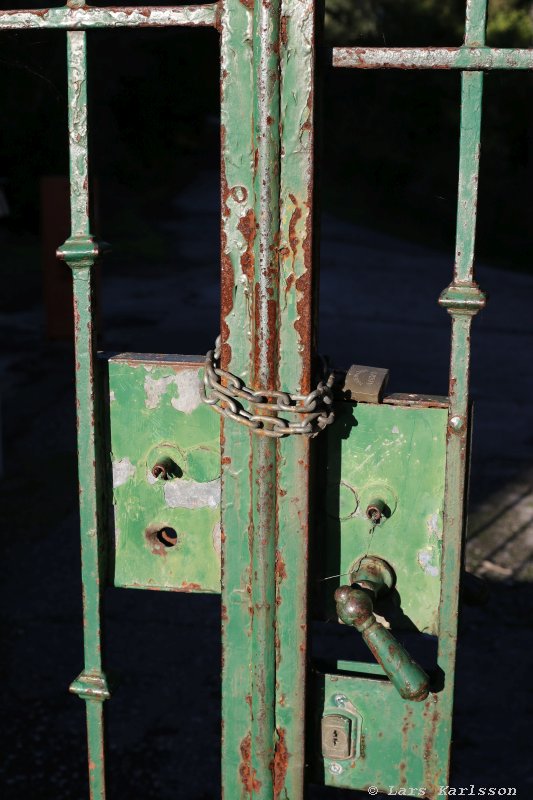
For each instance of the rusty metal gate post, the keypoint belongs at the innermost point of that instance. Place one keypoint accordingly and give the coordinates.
(394, 464)
(266, 267)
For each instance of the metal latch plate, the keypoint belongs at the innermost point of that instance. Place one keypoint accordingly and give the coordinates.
(165, 473)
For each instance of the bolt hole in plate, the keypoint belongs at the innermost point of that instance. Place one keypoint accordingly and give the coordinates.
(164, 462)
(160, 538)
(166, 469)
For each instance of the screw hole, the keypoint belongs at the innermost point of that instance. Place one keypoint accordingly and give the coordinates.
(160, 538)
(165, 469)
(167, 536)
(377, 511)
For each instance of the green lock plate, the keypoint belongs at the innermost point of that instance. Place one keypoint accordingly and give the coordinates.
(165, 472)
(390, 455)
(394, 743)
(384, 496)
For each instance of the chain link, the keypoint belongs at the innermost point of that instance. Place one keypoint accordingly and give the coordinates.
(224, 392)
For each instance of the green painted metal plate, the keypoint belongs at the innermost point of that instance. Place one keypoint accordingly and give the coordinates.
(396, 453)
(395, 743)
(167, 531)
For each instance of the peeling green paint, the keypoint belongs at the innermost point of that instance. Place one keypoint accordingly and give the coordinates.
(85, 17)
(156, 412)
(396, 453)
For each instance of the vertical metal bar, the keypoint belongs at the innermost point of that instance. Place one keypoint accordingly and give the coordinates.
(471, 99)
(297, 52)
(267, 342)
(238, 231)
(264, 376)
(476, 23)
(463, 299)
(80, 252)
(78, 131)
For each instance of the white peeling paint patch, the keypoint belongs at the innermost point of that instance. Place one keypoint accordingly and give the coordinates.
(425, 557)
(217, 539)
(155, 388)
(189, 396)
(123, 470)
(192, 494)
(112, 396)
(395, 429)
(433, 524)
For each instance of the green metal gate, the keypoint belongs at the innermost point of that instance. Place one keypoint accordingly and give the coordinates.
(301, 466)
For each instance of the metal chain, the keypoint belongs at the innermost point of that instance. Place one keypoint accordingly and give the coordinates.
(225, 392)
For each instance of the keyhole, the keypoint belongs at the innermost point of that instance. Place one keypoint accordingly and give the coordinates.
(335, 738)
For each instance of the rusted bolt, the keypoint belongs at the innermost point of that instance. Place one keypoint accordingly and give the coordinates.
(376, 511)
(457, 424)
(165, 469)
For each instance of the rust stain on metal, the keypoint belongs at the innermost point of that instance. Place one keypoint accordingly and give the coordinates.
(295, 216)
(308, 124)
(402, 775)
(269, 351)
(246, 771)
(406, 727)
(249, 4)
(239, 194)
(281, 572)
(303, 323)
(416, 400)
(277, 640)
(248, 228)
(226, 276)
(218, 18)
(289, 283)
(280, 764)
(283, 35)
(190, 587)
(434, 720)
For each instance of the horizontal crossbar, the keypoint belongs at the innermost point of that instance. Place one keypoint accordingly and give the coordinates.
(463, 58)
(87, 17)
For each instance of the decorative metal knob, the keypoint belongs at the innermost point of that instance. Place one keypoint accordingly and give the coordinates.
(355, 606)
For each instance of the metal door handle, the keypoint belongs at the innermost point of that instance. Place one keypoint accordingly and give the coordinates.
(355, 606)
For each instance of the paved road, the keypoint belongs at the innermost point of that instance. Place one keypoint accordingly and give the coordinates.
(378, 306)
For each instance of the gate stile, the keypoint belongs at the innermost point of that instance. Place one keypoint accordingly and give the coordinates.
(263, 371)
